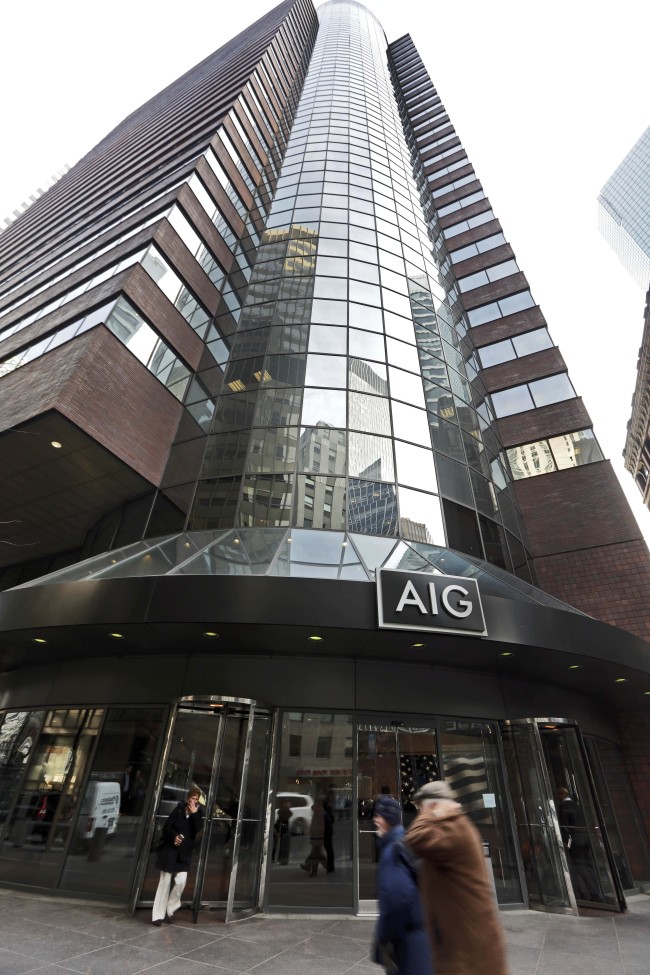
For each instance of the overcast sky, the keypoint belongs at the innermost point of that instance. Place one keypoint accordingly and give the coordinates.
(546, 98)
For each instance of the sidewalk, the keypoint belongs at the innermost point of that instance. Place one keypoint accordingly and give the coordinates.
(57, 937)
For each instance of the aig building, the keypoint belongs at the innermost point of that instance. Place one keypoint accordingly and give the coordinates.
(300, 506)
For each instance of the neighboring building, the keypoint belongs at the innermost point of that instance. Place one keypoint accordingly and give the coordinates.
(624, 215)
(637, 442)
(296, 495)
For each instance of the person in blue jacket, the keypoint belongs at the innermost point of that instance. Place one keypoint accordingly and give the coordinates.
(401, 941)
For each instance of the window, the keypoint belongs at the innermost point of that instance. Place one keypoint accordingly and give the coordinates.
(500, 308)
(557, 453)
(541, 392)
(515, 348)
(469, 224)
(487, 276)
(323, 747)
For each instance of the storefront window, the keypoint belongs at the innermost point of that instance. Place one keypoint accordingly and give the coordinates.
(41, 823)
(108, 833)
(18, 734)
(312, 820)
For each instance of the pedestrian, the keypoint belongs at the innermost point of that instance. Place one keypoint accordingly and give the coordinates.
(281, 832)
(458, 896)
(401, 941)
(174, 856)
(577, 844)
(317, 853)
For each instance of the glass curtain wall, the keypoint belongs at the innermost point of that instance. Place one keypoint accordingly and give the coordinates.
(74, 786)
(346, 401)
(324, 368)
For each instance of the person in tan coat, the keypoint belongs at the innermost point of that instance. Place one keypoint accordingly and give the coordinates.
(459, 903)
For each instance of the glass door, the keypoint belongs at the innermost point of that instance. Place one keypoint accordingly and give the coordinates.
(567, 857)
(544, 860)
(222, 748)
(589, 856)
(393, 759)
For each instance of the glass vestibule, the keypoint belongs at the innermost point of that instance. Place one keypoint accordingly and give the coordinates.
(332, 768)
(567, 851)
(221, 747)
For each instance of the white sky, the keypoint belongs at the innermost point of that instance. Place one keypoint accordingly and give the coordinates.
(547, 99)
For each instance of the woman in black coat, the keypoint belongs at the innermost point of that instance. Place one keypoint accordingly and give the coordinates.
(174, 856)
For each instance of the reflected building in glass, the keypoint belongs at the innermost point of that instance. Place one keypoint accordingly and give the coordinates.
(252, 382)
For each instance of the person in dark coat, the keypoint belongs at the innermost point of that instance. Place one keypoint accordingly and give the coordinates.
(401, 941)
(174, 856)
(459, 902)
(575, 837)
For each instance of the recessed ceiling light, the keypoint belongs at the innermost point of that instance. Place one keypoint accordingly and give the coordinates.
(55, 443)
(316, 639)
(210, 634)
(417, 644)
(574, 667)
(621, 680)
(38, 639)
(647, 692)
(506, 653)
(236, 541)
(116, 636)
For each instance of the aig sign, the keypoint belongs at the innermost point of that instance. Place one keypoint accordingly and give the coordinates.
(419, 601)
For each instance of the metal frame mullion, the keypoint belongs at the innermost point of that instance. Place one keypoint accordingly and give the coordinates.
(207, 826)
(240, 810)
(147, 835)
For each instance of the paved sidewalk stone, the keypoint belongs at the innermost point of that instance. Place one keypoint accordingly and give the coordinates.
(55, 937)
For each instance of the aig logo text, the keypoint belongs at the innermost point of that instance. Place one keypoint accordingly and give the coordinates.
(420, 601)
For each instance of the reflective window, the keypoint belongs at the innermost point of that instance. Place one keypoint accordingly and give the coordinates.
(516, 347)
(552, 389)
(488, 275)
(501, 308)
(480, 247)
(410, 424)
(514, 400)
(324, 406)
(112, 812)
(370, 457)
(317, 806)
(415, 466)
(326, 370)
(420, 516)
(558, 453)
(48, 817)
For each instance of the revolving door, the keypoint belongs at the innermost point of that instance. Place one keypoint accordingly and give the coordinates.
(222, 747)
(566, 850)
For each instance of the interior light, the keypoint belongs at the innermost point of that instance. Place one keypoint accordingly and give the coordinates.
(417, 644)
(506, 653)
(39, 639)
(574, 667)
(647, 692)
(116, 636)
(211, 635)
(236, 541)
(621, 680)
(316, 639)
(55, 443)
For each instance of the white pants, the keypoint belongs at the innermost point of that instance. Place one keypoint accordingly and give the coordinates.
(168, 901)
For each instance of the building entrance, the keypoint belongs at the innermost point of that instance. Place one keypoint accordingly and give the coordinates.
(566, 851)
(221, 747)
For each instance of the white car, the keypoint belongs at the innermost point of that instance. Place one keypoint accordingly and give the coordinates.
(301, 811)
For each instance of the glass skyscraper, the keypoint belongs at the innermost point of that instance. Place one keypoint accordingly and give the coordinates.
(624, 211)
(301, 505)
